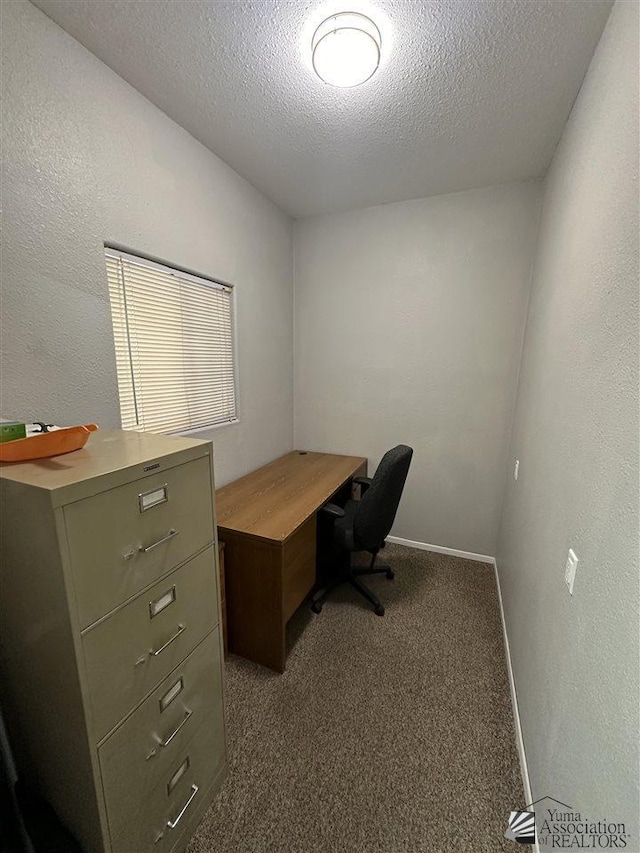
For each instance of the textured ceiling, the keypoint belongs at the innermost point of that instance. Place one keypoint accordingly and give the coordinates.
(469, 92)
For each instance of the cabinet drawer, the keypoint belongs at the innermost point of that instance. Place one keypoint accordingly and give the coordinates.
(128, 653)
(174, 802)
(142, 751)
(122, 540)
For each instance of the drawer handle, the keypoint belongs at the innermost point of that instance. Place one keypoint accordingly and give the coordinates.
(184, 720)
(166, 742)
(173, 823)
(170, 535)
(156, 652)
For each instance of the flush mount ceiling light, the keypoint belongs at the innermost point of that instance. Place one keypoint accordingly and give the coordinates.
(346, 49)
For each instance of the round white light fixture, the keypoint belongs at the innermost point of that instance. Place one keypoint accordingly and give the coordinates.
(346, 49)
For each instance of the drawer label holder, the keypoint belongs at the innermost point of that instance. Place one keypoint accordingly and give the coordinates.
(155, 497)
(171, 694)
(177, 776)
(162, 602)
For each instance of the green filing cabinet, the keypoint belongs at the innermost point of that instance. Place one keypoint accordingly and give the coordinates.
(110, 637)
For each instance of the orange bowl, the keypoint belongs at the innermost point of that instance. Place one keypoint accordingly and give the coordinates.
(46, 444)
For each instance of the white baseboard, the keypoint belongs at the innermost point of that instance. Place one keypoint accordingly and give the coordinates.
(524, 770)
(439, 549)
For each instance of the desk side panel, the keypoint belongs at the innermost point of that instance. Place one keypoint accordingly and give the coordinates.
(253, 580)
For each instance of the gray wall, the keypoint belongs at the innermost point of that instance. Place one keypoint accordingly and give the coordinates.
(87, 159)
(576, 435)
(409, 322)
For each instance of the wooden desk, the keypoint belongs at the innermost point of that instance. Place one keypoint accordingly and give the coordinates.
(267, 521)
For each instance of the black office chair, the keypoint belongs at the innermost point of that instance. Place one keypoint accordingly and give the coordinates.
(363, 525)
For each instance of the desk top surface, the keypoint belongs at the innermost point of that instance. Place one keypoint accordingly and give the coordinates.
(272, 502)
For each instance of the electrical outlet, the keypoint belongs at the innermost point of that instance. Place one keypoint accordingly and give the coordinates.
(516, 468)
(570, 570)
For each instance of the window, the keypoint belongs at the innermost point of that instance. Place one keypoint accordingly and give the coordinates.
(173, 335)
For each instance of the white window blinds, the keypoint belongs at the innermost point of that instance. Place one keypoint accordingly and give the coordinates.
(173, 335)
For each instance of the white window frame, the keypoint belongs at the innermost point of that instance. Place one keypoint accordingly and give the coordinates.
(113, 251)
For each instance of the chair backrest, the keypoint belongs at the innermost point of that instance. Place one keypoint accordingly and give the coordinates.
(376, 511)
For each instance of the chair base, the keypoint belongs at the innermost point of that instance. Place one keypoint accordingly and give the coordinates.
(352, 576)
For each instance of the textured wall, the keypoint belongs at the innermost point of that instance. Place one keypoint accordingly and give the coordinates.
(576, 435)
(409, 323)
(87, 159)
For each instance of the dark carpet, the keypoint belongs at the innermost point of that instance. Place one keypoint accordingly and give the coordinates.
(385, 735)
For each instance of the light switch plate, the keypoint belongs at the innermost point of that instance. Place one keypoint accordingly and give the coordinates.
(516, 468)
(570, 570)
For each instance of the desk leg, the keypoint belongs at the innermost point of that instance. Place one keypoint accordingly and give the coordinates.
(255, 619)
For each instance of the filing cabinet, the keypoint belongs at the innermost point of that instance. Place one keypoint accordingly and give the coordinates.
(111, 647)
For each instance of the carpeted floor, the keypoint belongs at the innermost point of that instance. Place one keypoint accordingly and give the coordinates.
(385, 735)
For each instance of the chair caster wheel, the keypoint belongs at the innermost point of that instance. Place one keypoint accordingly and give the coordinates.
(317, 608)
(379, 610)
(390, 575)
